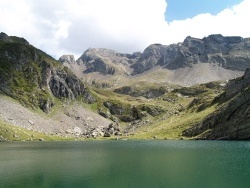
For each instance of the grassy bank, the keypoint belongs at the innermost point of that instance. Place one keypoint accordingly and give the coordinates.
(14, 133)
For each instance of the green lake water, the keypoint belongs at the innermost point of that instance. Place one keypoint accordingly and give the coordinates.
(132, 164)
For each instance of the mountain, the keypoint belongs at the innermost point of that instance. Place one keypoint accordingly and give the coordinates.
(33, 77)
(210, 59)
(227, 52)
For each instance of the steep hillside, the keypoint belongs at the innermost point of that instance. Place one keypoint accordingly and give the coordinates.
(34, 78)
(212, 58)
(72, 120)
(232, 119)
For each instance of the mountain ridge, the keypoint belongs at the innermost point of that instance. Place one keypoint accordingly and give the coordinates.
(230, 55)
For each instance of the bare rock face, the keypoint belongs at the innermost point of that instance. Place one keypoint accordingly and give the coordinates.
(232, 120)
(237, 85)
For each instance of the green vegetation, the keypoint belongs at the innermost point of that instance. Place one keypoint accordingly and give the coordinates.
(163, 117)
(172, 127)
(14, 133)
(21, 68)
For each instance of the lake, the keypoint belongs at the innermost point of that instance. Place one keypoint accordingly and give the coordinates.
(138, 164)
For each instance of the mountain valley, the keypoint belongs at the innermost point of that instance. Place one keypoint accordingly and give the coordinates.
(198, 89)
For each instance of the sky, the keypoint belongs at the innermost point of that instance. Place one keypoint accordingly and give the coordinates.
(61, 27)
(182, 9)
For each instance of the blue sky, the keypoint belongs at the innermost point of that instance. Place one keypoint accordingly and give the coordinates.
(183, 9)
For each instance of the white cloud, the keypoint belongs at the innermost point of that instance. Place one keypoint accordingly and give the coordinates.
(230, 22)
(70, 27)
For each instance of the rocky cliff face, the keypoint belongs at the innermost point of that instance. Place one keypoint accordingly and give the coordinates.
(33, 77)
(232, 120)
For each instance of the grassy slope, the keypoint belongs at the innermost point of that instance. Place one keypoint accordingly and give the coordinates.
(172, 127)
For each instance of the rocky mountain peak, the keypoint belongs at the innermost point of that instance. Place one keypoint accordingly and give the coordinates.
(70, 59)
(106, 61)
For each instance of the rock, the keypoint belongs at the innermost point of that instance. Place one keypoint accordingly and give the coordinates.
(90, 119)
(69, 131)
(107, 134)
(46, 105)
(118, 133)
(104, 114)
(148, 93)
(40, 139)
(77, 131)
(152, 110)
(31, 122)
(77, 117)
(112, 129)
